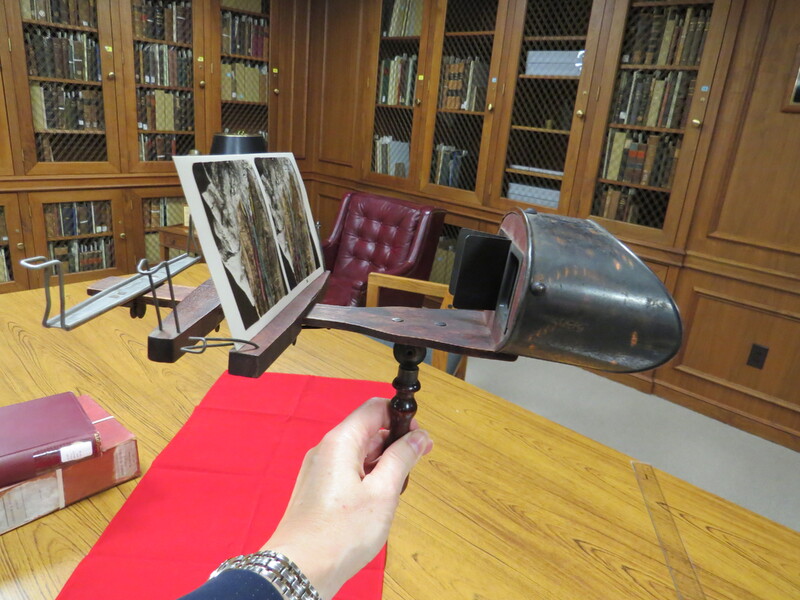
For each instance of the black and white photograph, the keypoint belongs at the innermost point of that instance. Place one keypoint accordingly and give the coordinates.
(256, 232)
(293, 225)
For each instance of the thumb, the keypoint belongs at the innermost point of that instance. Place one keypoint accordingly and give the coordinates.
(398, 459)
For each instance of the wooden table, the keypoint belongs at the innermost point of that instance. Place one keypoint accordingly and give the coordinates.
(508, 506)
(177, 237)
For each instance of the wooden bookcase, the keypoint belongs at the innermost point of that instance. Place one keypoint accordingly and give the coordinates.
(87, 234)
(543, 123)
(63, 71)
(241, 53)
(150, 209)
(164, 81)
(661, 57)
(12, 247)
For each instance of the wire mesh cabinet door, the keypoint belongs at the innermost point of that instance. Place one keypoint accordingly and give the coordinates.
(553, 46)
(461, 96)
(166, 63)
(248, 72)
(662, 58)
(63, 64)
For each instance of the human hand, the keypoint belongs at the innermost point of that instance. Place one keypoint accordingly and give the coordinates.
(345, 497)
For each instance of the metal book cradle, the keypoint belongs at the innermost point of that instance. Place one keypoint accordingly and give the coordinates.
(545, 286)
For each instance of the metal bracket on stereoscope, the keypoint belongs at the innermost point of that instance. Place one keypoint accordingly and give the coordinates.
(546, 286)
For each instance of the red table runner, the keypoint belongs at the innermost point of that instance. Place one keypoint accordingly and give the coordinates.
(219, 489)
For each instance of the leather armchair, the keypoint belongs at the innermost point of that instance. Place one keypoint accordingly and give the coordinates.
(381, 234)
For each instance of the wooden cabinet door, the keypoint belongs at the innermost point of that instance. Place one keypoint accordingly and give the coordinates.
(462, 70)
(661, 58)
(241, 85)
(84, 229)
(150, 209)
(551, 50)
(394, 101)
(65, 85)
(165, 76)
(13, 276)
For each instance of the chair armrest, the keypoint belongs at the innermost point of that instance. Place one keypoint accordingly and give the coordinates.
(378, 281)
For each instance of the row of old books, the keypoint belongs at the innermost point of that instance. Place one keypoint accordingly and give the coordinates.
(448, 166)
(392, 157)
(162, 212)
(621, 205)
(160, 64)
(57, 450)
(162, 146)
(78, 255)
(405, 20)
(463, 83)
(62, 54)
(65, 219)
(163, 110)
(163, 20)
(72, 12)
(397, 80)
(245, 35)
(6, 273)
(60, 106)
(244, 82)
(668, 36)
(641, 158)
(654, 99)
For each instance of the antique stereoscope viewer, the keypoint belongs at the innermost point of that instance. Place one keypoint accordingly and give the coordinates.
(545, 286)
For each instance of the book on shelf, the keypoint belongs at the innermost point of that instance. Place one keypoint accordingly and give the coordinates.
(653, 141)
(554, 62)
(5, 274)
(658, 23)
(406, 19)
(392, 156)
(3, 227)
(688, 17)
(448, 165)
(116, 461)
(42, 434)
(615, 157)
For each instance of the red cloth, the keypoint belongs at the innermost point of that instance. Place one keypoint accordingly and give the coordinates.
(219, 489)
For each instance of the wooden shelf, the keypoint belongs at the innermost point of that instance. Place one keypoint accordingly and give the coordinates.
(537, 174)
(563, 77)
(81, 82)
(645, 128)
(60, 25)
(145, 40)
(260, 59)
(165, 132)
(638, 186)
(540, 129)
(69, 131)
(643, 67)
(81, 236)
(174, 88)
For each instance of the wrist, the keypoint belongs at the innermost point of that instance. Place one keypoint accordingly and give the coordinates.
(278, 569)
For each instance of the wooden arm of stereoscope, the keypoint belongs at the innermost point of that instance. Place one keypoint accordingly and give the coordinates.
(546, 286)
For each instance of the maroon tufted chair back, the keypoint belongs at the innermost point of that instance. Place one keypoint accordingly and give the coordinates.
(378, 233)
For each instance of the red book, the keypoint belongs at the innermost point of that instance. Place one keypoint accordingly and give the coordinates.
(43, 434)
(118, 461)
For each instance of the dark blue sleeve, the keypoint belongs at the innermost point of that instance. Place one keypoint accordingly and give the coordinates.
(235, 584)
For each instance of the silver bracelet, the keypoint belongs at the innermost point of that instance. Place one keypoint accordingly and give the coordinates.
(276, 568)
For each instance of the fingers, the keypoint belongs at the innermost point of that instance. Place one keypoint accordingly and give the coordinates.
(398, 459)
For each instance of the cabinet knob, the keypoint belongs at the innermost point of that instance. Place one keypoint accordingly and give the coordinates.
(112, 75)
(580, 114)
(276, 91)
(417, 101)
(696, 122)
(202, 83)
(20, 246)
(123, 236)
